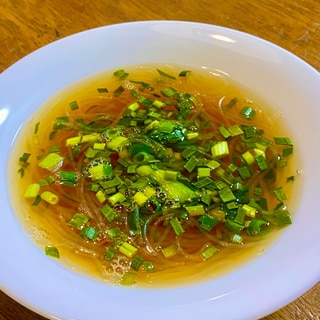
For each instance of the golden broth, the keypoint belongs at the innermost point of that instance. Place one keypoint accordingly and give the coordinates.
(48, 224)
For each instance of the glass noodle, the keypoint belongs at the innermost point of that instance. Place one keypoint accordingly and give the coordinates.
(151, 176)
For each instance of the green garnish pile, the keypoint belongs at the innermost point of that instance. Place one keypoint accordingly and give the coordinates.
(164, 158)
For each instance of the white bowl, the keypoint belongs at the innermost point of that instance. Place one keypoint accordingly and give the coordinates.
(291, 265)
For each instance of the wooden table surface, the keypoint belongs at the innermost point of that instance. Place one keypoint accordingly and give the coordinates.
(26, 25)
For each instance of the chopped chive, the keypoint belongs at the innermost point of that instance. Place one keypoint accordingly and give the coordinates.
(49, 197)
(136, 263)
(102, 90)
(73, 105)
(224, 132)
(36, 128)
(90, 233)
(226, 195)
(204, 172)
(143, 84)
(170, 251)
(184, 73)
(235, 130)
(261, 162)
(68, 178)
(101, 171)
(208, 252)
(165, 75)
(121, 74)
(231, 103)
(78, 220)
(52, 252)
(25, 157)
(128, 279)
(32, 190)
(196, 210)
(282, 218)
(279, 193)
(147, 266)
(282, 141)
(116, 198)
(36, 201)
(116, 143)
(110, 253)
(207, 223)
(248, 113)
(287, 151)
(21, 172)
(108, 212)
(176, 226)
(169, 92)
(191, 164)
(236, 238)
(128, 249)
(219, 150)
(118, 91)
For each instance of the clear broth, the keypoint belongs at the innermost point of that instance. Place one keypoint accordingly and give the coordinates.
(46, 224)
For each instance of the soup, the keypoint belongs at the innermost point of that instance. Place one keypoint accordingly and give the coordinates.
(154, 175)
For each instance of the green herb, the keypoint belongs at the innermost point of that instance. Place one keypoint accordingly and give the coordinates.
(166, 75)
(73, 105)
(52, 252)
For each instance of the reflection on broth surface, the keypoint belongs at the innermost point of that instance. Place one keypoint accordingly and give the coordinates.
(154, 175)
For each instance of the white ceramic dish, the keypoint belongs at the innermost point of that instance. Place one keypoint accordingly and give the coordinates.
(289, 267)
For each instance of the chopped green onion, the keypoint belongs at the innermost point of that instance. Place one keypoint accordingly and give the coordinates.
(121, 74)
(236, 238)
(147, 266)
(176, 226)
(73, 105)
(93, 137)
(116, 198)
(110, 253)
(225, 132)
(49, 197)
(208, 252)
(261, 162)
(118, 91)
(165, 75)
(90, 233)
(184, 73)
(204, 172)
(51, 162)
(136, 262)
(128, 279)
(287, 152)
(282, 141)
(108, 212)
(36, 128)
(68, 178)
(282, 218)
(101, 171)
(102, 90)
(279, 193)
(207, 222)
(52, 252)
(248, 113)
(219, 150)
(170, 251)
(191, 164)
(116, 143)
(226, 195)
(128, 249)
(32, 190)
(197, 210)
(140, 198)
(78, 220)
